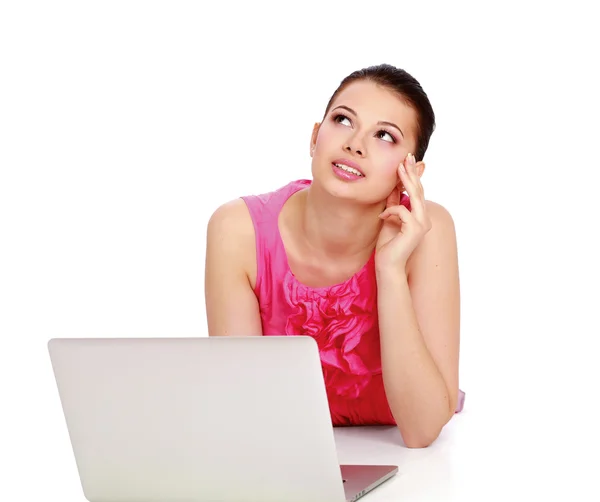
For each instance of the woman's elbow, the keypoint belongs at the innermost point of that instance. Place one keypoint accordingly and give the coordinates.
(418, 439)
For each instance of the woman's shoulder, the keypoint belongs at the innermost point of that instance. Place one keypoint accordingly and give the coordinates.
(231, 222)
(441, 220)
(232, 214)
(235, 220)
(277, 196)
(236, 214)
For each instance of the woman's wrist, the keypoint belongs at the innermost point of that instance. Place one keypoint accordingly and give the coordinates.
(386, 274)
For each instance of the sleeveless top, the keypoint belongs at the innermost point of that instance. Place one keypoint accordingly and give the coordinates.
(341, 318)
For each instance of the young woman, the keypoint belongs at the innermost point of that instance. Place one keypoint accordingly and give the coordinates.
(356, 258)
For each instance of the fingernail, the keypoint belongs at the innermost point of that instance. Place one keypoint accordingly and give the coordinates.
(411, 158)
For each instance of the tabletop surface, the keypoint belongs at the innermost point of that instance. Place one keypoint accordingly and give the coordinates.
(475, 458)
(478, 456)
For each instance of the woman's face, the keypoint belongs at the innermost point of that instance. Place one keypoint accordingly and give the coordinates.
(370, 130)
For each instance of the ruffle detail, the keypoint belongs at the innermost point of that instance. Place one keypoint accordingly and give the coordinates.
(338, 318)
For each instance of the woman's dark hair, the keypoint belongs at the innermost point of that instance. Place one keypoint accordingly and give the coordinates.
(407, 88)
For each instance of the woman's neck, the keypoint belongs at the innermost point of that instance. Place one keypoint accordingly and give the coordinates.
(337, 228)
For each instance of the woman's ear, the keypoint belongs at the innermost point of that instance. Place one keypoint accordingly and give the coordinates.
(313, 138)
(420, 168)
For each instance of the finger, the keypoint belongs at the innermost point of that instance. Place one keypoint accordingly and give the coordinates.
(400, 212)
(410, 183)
(412, 169)
(394, 198)
(415, 188)
(407, 172)
(405, 181)
(403, 169)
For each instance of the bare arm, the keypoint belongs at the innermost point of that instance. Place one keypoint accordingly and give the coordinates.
(231, 305)
(419, 323)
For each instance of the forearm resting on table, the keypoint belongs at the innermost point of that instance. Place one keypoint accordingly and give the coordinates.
(416, 391)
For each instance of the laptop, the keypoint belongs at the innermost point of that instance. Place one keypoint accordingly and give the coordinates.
(234, 419)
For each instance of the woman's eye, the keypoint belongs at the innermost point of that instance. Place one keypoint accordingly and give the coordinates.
(340, 118)
(385, 133)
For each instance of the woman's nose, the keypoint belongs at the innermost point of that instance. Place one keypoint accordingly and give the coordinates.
(356, 149)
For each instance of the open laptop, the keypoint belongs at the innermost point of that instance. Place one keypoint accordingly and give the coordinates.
(234, 419)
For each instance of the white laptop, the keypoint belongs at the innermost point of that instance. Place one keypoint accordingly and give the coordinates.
(232, 419)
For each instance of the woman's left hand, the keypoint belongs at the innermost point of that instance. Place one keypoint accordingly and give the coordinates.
(402, 229)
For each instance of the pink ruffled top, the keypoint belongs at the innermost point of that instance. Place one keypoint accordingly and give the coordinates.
(341, 318)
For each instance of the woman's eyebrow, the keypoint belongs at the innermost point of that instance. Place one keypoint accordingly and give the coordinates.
(381, 122)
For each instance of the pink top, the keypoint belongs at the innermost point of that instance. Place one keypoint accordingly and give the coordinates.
(342, 318)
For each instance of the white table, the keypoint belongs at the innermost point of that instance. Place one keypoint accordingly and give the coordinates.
(510, 455)
(482, 454)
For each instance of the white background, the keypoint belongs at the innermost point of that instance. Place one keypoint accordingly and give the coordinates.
(124, 125)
